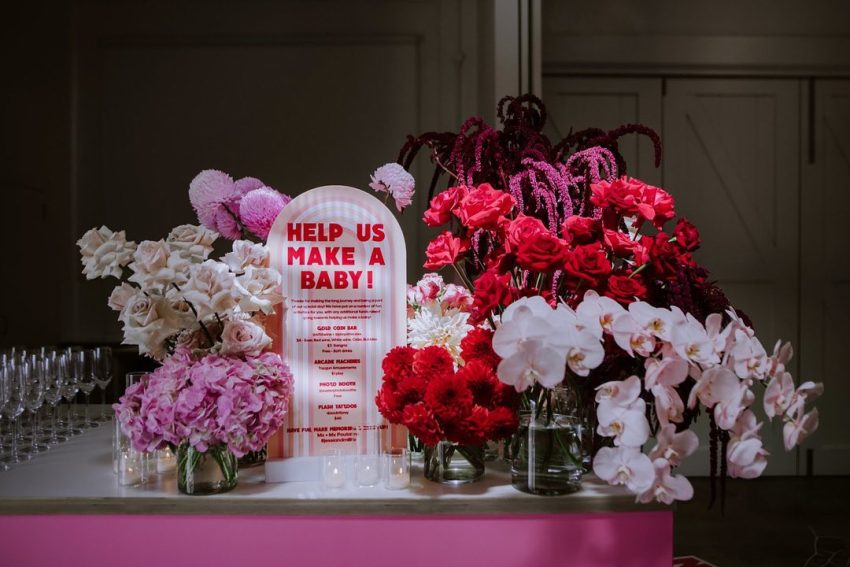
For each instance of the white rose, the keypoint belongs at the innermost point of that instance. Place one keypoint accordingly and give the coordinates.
(92, 239)
(144, 326)
(120, 296)
(258, 289)
(246, 253)
(190, 242)
(176, 310)
(154, 265)
(210, 289)
(243, 337)
(103, 253)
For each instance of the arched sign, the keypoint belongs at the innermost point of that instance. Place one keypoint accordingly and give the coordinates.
(342, 256)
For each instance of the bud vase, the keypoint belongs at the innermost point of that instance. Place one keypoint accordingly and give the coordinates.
(205, 472)
(450, 463)
(547, 454)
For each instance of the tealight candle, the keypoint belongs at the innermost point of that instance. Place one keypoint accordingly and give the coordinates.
(166, 462)
(333, 473)
(368, 472)
(130, 468)
(398, 469)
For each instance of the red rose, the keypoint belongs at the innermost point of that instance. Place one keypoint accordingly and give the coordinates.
(484, 206)
(542, 253)
(580, 230)
(522, 229)
(619, 195)
(478, 345)
(444, 250)
(491, 290)
(422, 423)
(687, 235)
(625, 289)
(652, 203)
(624, 247)
(589, 263)
(442, 206)
(663, 255)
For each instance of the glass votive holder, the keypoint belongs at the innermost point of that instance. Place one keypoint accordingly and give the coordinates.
(166, 461)
(367, 469)
(397, 471)
(333, 469)
(132, 467)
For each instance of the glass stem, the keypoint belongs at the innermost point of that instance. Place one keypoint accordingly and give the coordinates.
(86, 421)
(54, 423)
(14, 449)
(34, 429)
(103, 416)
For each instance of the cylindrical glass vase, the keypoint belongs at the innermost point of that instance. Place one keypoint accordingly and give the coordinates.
(209, 472)
(547, 455)
(450, 463)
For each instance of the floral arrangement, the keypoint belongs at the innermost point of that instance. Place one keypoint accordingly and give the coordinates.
(203, 319)
(208, 401)
(576, 281)
(423, 391)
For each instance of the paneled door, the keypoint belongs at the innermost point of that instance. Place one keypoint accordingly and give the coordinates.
(732, 163)
(825, 311)
(576, 103)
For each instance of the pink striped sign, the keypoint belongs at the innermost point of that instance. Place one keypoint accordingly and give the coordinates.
(342, 256)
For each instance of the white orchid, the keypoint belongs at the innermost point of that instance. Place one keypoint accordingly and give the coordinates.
(626, 424)
(666, 488)
(674, 446)
(624, 466)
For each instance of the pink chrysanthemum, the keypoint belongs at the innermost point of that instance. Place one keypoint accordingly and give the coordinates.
(259, 209)
(215, 198)
(392, 178)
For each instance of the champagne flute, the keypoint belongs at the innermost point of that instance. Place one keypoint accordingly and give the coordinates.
(33, 400)
(69, 392)
(53, 395)
(5, 373)
(84, 371)
(18, 376)
(103, 358)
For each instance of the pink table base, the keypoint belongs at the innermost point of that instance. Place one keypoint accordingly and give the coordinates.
(598, 539)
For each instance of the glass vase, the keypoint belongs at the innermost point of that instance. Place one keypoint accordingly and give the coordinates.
(450, 463)
(547, 454)
(253, 459)
(205, 472)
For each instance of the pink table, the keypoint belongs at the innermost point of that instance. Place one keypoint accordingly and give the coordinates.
(65, 509)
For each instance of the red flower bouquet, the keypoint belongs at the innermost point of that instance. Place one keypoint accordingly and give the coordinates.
(577, 284)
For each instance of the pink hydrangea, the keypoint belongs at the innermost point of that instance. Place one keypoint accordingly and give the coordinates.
(212, 401)
(259, 209)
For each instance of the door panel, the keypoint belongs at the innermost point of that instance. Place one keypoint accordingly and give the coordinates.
(826, 275)
(298, 94)
(732, 164)
(576, 103)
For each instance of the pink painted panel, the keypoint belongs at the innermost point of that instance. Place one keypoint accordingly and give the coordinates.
(616, 539)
